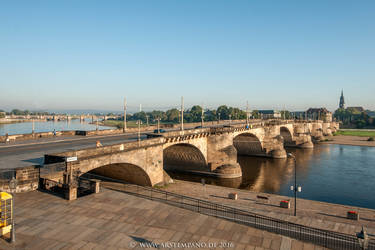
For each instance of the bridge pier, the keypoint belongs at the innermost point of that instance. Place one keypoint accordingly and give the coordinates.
(222, 156)
(274, 147)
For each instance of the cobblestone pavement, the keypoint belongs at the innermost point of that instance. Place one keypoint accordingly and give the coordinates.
(311, 213)
(114, 220)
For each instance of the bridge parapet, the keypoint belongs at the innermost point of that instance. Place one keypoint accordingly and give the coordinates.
(112, 149)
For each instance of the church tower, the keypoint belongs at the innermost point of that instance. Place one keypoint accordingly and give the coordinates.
(342, 101)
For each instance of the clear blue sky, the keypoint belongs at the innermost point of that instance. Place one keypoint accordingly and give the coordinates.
(90, 54)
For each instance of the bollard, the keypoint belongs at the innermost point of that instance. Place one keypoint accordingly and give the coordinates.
(352, 215)
(285, 204)
(233, 196)
(95, 186)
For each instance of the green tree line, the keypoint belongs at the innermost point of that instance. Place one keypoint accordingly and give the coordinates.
(353, 117)
(193, 114)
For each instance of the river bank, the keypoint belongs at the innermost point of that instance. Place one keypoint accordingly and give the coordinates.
(349, 140)
(11, 121)
(310, 213)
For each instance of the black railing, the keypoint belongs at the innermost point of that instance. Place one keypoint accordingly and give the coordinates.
(6, 175)
(52, 169)
(325, 238)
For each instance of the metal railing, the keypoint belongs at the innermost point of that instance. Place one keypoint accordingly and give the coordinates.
(6, 175)
(325, 238)
(52, 169)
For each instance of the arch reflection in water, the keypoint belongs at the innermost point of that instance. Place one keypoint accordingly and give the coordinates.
(226, 182)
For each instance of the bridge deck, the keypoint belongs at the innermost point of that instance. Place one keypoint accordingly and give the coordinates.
(27, 153)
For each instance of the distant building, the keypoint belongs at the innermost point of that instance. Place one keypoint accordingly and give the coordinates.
(356, 109)
(299, 115)
(269, 114)
(319, 114)
(342, 100)
(370, 113)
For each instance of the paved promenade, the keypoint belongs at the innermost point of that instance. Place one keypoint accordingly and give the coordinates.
(114, 220)
(311, 213)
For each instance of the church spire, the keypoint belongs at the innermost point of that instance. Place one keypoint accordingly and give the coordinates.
(342, 101)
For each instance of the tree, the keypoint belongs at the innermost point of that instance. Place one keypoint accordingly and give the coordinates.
(172, 115)
(210, 115)
(255, 114)
(223, 112)
(195, 113)
(139, 116)
(157, 114)
(286, 114)
(237, 114)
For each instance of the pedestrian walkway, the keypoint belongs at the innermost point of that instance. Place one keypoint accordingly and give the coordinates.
(114, 220)
(310, 213)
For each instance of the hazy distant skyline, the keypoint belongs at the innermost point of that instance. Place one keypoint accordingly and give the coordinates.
(57, 55)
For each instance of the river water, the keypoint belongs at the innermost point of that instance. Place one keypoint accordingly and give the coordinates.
(330, 173)
(47, 126)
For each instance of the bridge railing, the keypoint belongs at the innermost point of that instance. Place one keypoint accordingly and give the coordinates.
(325, 238)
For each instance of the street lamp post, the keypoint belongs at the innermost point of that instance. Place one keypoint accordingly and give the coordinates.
(182, 113)
(139, 122)
(295, 188)
(247, 114)
(202, 117)
(124, 126)
(13, 187)
(158, 120)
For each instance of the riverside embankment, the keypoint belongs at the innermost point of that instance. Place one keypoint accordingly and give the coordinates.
(317, 214)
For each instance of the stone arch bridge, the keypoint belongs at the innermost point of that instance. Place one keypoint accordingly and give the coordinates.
(210, 150)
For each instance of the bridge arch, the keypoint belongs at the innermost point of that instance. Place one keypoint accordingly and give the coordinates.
(248, 144)
(124, 171)
(184, 157)
(287, 136)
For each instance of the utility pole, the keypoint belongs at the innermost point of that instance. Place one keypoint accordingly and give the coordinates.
(147, 120)
(33, 130)
(124, 127)
(247, 113)
(182, 113)
(202, 117)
